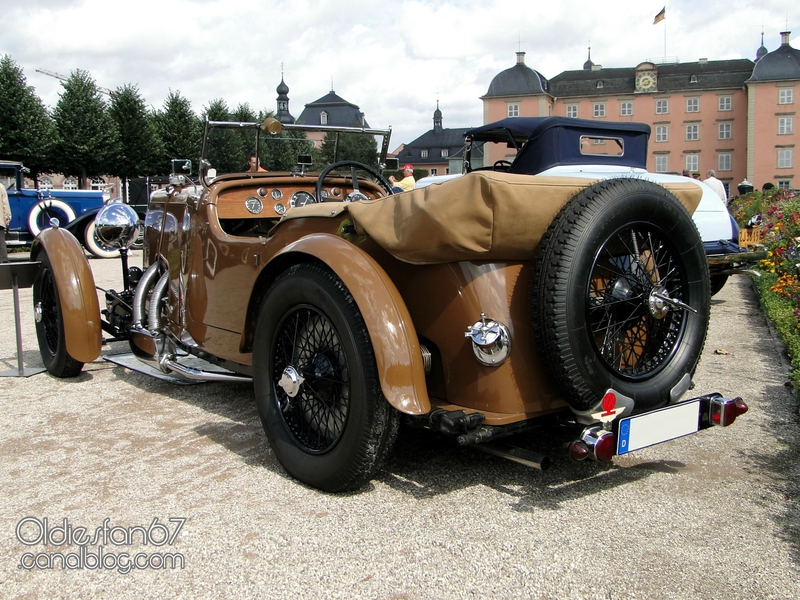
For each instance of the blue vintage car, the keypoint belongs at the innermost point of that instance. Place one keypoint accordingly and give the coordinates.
(567, 147)
(32, 209)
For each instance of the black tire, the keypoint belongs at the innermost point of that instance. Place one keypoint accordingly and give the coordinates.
(592, 301)
(50, 323)
(337, 429)
(717, 283)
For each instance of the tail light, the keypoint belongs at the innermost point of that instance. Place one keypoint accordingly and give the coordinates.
(723, 411)
(595, 443)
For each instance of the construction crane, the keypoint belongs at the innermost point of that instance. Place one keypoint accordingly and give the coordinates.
(102, 90)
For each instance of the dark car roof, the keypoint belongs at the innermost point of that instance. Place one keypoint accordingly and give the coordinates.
(551, 141)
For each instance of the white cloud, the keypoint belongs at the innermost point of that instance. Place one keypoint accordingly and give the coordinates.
(392, 59)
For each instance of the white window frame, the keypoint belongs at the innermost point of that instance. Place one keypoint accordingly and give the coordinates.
(724, 131)
(662, 107)
(725, 103)
(662, 133)
(693, 162)
(445, 152)
(692, 105)
(423, 153)
(323, 118)
(45, 183)
(786, 96)
(784, 184)
(70, 183)
(513, 109)
(724, 161)
(785, 125)
(98, 183)
(662, 163)
(692, 132)
(784, 158)
(572, 111)
(626, 109)
(434, 171)
(599, 109)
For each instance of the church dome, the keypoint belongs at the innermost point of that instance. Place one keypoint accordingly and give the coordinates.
(780, 64)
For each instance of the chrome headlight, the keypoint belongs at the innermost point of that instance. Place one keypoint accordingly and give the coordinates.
(491, 341)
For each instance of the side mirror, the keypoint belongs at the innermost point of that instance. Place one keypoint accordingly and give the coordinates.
(304, 159)
(392, 164)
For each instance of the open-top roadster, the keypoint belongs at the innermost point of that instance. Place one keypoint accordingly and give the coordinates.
(481, 307)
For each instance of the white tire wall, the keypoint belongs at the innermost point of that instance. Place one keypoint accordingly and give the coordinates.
(44, 205)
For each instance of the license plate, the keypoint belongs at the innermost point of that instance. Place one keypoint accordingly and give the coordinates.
(658, 426)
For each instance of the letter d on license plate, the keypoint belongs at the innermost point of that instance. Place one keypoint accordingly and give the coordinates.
(658, 426)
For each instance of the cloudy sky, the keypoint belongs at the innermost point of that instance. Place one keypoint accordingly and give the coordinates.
(393, 59)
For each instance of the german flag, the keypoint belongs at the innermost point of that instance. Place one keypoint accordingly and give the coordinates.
(660, 16)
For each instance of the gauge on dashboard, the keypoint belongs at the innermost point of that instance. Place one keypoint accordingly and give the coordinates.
(323, 195)
(301, 198)
(254, 205)
(277, 194)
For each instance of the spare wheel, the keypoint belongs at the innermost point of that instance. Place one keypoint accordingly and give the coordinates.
(620, 294)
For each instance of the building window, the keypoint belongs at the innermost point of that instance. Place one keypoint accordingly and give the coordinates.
(786, 96)
(423, 154)
(724, 131)
(445, 152)
(323, 118)
(661, 163)
(785, 159)
(626, 109)
(662, 133)
(693, 105)
(45, 183)
(572, 111)
(693, 79)
(447, 171)
(692, 133)
(70, 183)
(599, 85)
(692, 162)
(600, 109)
(98, 183)
(724, 162)
(784, 184)
(434, 171)
(725, 103)
(513, 110)
(785, 125)
(662, 107)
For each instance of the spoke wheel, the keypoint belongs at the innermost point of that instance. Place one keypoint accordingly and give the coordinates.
(316, 382)
(620, 295)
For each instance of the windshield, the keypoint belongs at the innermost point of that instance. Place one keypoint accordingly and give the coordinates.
(242, 147)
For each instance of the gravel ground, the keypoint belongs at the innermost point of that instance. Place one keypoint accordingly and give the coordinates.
(712, 515)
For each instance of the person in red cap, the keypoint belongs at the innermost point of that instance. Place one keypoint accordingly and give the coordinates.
(406, 184)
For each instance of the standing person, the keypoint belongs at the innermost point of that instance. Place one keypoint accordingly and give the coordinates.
(716, 185)
(406, 184)
(5, 219)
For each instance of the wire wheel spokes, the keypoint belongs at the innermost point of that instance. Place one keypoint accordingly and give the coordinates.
(49, 307)
(317, 413)
(632, 337)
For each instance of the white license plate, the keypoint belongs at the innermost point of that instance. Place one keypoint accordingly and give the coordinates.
(658, 426)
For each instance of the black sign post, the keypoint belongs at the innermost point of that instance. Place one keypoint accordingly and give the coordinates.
(13, 276)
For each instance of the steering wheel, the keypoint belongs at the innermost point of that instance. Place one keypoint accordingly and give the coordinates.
(501, 165)
(356, 194)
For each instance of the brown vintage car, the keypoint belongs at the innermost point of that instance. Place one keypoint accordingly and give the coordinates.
(481, 307)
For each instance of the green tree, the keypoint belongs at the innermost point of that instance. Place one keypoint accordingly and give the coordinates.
(227, 150)
(86, 140)
(180, 130)
(141, 149)
(350, 146)
(26, 129)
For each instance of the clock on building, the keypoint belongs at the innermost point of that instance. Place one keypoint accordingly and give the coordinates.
(645, 81)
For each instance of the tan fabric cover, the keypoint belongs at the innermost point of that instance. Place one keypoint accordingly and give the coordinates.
(481, 216)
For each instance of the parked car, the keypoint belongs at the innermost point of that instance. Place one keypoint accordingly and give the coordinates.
(484, 307)
(567, 147)
(32, 209)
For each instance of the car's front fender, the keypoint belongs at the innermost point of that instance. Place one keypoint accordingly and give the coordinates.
(78, 296)
(391, 330)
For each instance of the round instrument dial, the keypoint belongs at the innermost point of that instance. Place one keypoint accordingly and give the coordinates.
(301, 198)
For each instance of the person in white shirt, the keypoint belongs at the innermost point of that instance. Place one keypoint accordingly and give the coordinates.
(716, 185)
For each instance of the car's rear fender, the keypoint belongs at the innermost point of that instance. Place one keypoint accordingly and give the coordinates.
(391, 330)
(76, 290)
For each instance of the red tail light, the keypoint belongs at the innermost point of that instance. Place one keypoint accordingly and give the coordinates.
(596, 443)
(605, 447)
(723, 411)
(578, 450)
